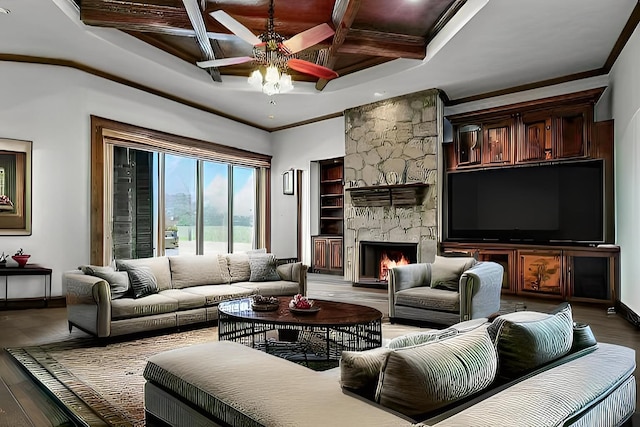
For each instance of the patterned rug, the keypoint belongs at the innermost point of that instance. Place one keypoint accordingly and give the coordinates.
(101, 383)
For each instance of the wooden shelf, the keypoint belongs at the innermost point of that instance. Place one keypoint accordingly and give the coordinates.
(388, 195)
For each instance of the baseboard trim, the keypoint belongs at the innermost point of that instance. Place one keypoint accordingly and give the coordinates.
(631, 316)
(27, 303)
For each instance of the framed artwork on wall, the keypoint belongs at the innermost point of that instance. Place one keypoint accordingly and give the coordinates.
(15, 187)
(287, 182)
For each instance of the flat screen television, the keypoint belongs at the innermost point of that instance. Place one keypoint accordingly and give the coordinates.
(553, 203)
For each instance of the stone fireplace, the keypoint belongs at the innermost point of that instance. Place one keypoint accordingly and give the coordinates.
(391, 177)
(376, 258)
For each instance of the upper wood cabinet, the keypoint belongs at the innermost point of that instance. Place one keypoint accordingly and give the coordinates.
(498, 142)
(548, 129)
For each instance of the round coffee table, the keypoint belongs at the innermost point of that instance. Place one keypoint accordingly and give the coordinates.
(319, 336)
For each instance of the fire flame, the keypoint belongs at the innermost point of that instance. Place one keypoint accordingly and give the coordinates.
(386, 263)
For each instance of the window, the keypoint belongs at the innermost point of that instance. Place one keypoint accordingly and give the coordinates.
(216, 207)
(157, 194)
(2, 185)
(244, 200)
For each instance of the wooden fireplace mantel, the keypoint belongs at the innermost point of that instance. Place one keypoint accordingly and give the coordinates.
(388, 195)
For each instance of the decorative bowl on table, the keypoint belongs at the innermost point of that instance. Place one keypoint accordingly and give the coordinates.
(21, 259)
(300, 304)
(262, 303)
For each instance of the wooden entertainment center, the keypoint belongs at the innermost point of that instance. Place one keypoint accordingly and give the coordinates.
(551, 131)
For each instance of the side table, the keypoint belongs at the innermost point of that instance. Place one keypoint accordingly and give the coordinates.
(27, 270)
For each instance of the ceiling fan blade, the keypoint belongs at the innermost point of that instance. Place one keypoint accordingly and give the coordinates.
(307, 38)
(312, 69)
(224, 62)
(235, 27)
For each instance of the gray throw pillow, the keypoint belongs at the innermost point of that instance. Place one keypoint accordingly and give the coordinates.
(142, 280)
(526, 340)
(446, 272)
(118, 280)
(359, 370)
(419, 379)
(263, 267)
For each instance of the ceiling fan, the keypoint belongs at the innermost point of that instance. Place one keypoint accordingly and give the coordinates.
(271, 49)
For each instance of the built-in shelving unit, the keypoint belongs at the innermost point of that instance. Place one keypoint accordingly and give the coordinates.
(533, 134)
(327, 246)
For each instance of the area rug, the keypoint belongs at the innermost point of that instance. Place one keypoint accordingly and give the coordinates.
(101, 383)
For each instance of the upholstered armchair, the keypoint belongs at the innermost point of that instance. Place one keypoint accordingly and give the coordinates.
(447, 291)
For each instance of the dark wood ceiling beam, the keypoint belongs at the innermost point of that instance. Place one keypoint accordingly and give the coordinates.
(360, 65)
(134, 16)
(389, 45)
(344, 12)
(155, 41)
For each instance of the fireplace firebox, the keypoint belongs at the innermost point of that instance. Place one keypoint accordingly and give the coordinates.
(376, 258)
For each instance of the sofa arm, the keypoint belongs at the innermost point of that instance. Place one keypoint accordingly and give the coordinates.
(88, 303)
(294, 272)
(405, 277)
(480, 289)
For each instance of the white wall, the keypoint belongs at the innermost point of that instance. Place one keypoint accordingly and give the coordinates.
(296, 148)
(51, 106)
(626, 112)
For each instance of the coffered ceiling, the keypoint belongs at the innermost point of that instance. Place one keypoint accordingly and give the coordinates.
(367, 32)
(380, 48)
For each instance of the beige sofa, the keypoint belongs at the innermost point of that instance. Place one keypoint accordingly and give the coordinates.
(524, 369)
(189, 288)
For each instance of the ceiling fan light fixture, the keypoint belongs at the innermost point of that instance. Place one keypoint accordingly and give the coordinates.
(286, 84)
(272, 75)
(255, 79)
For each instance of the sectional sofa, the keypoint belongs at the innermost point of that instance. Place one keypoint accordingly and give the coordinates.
(523, 369)
(162, 292)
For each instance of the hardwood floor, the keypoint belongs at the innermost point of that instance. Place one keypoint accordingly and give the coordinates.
(20, 328)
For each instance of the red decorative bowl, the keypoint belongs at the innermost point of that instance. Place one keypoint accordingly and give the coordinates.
(21, 259)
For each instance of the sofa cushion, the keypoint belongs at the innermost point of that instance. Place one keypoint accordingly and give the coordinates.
(126, 308)
(158, 265)
(359, 370)
(196, 270)
(273, 288)
(118, 280)
(216, 293)
(263, 267)
(567, 395)
(526, 340)
(429, 298)
(446, 271)
(142, 280)
(186, 300)
(420, 379)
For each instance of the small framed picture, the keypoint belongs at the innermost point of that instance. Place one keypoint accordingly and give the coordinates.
(287, 182)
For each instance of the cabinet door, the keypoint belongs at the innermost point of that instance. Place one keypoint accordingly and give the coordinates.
(497, 142)
(541, 273)
(320, 261)
(506, 258)
(535, 142)
(590, 276)
(468, 144)
(571, 132)
(335, 249)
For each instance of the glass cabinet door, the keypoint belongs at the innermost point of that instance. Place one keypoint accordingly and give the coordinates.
(468, 144)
